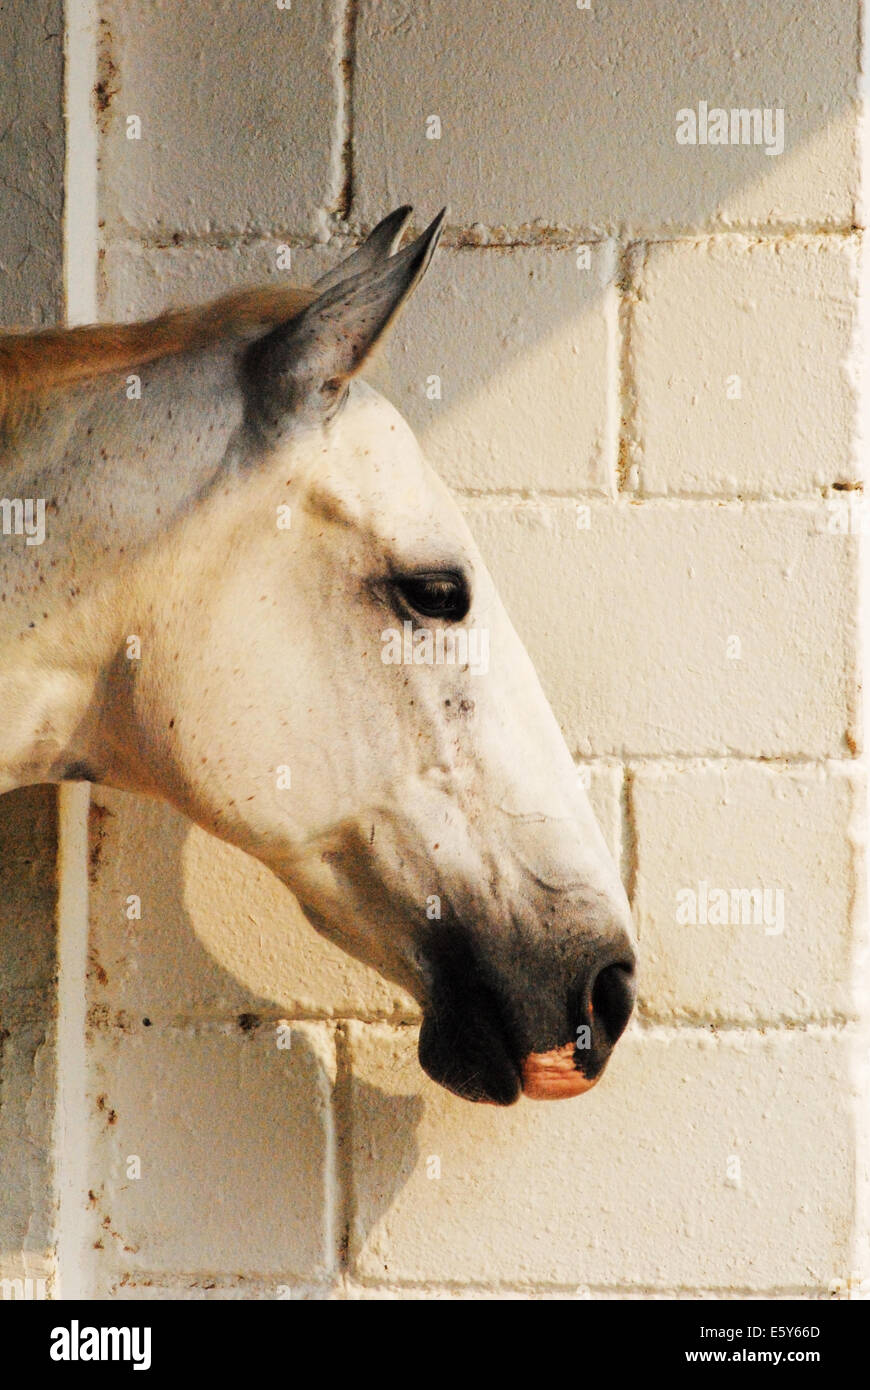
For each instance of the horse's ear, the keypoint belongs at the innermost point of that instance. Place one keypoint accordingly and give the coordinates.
(298, 373)
(378, 245)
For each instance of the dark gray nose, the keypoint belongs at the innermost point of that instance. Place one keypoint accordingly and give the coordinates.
(528, 1014)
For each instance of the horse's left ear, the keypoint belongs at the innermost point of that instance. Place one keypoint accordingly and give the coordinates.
(298, 373)
(380, 243)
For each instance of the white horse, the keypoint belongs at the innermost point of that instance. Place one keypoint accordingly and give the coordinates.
(229, 579)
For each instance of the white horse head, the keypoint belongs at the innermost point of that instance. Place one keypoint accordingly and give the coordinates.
(329, 680)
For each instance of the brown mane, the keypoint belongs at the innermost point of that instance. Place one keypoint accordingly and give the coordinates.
(31, 363)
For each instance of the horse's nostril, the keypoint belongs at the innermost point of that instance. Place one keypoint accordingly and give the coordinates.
(603, 1009)
(612, 1000)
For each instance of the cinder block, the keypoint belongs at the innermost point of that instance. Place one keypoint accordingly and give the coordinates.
(234, 1140)
(555, 114)
(32, 163)
(742, 366)
(685, 628)
(682, 1169)
(28, 896)
(218, 933)
(28, 1011)
(238, 108)
(520, 345)
(790, 832)
(430, 1291)
(206, 1289)
(28, 1085)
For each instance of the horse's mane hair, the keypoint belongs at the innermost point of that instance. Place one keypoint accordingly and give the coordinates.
(32, 363)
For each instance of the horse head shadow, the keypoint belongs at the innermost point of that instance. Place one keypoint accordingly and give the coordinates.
(195, 959)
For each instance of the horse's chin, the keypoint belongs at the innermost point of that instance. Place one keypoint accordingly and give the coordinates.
(472, 1061)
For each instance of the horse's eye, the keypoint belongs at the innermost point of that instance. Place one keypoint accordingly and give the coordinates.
(441, 595)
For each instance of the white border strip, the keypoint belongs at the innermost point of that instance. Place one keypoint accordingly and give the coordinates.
(71, 1126)
(81, 240)
(81, 243)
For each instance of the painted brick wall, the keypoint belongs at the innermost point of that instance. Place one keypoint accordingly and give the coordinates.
(649, 412)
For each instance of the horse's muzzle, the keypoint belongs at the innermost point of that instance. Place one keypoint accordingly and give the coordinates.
(476, 1044)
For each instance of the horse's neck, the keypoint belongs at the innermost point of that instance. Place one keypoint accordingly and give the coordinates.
(109, 471)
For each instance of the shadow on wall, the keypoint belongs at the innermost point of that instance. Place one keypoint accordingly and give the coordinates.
(200, 930)
(393, 1121)
(198, 1071)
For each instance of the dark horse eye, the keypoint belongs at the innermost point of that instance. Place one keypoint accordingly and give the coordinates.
(441, 595)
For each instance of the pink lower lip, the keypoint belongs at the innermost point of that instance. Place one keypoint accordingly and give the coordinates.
(553, 1075)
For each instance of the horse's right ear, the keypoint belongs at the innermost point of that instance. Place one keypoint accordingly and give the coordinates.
(298, 373)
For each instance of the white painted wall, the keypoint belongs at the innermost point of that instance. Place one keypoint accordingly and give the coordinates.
(655, 453)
